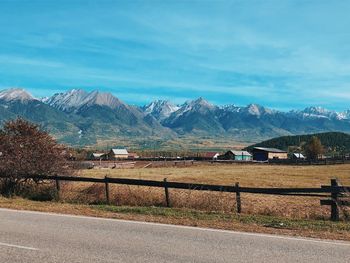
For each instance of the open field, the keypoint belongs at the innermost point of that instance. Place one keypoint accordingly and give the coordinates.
(222, 174)
(254, 175)
(260, 213)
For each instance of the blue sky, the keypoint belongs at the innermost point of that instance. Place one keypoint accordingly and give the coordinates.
(282, 54)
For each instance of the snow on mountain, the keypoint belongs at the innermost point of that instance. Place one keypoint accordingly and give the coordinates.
(319, 112)
(77, 98)
(102, 99)
(15, 95)
(345, 115)
(198, 104)
(251, 109)
(160, 109)
(231, 108)
(68, 100)
(256, 110)
(198, 116)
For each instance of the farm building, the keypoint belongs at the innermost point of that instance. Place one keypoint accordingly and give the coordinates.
(118, 154)
(97, 156)
(262, 154)
(212, 155)
(298, 156)
(237, 156)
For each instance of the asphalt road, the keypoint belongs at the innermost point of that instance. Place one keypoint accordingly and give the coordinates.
(42, 237)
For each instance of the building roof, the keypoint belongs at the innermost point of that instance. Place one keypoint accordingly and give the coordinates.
(97, 155)
(271, 150)
(299, 155)
(120, 151)
(211, 154)
(244, 153)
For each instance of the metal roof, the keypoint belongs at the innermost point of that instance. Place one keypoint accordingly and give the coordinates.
(120, 151)
(244, 153)
(272, 150)
(299, 155)
(97, 155)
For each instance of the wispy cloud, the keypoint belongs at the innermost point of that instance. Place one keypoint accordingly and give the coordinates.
(7, 59)
(282, 54)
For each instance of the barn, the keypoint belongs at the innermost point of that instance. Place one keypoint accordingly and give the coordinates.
(118, 154)
(262, 154)
(237, 156)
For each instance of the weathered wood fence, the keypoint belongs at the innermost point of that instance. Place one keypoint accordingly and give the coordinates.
(334, 191)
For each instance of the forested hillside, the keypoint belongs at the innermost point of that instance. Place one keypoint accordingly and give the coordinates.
(332, 141)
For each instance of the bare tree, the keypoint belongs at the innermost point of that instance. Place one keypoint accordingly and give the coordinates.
(25, 150)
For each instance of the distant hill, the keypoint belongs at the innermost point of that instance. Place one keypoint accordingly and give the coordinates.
(332, 141)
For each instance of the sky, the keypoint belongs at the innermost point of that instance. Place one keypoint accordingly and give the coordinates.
(281, 54)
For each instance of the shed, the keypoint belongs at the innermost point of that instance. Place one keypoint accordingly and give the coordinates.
(118, 154)
(97, 156)
(263, 154)
(298, 156)
(237, 156)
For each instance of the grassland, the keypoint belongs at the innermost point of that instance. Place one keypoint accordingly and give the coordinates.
(227, 174)
(261, 213)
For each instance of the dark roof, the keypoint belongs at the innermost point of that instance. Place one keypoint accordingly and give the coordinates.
(271, 150)
(211, 154)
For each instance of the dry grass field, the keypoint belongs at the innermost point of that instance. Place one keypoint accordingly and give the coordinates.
(253, 175)
(249, 175)
(260, 213)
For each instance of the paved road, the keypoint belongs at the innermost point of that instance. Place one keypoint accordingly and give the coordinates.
(40, 237)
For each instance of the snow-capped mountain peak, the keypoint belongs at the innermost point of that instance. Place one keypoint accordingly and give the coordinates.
(257, 110)
(231, 108)
(160, 109)
(67, 100)
(197, 104)
(77, 98)
(15, 94)
(101, 99)
(320, 112)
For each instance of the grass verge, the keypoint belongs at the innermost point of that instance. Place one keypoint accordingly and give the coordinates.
(180, 216)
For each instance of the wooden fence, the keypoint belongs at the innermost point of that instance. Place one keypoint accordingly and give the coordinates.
(334, 191)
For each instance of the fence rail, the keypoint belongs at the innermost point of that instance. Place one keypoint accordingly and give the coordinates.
(334, 191)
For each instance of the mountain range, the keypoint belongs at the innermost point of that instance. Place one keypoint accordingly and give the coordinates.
(77, 117)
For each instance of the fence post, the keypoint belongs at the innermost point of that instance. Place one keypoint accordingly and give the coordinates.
(107, 190)
(334, 206)
(58, 188)
(166, 189)
(238, 199)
